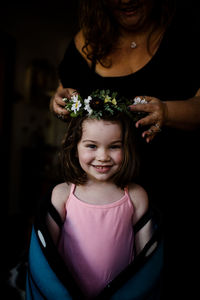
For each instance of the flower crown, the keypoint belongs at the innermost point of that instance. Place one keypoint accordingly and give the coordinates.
(101, 103)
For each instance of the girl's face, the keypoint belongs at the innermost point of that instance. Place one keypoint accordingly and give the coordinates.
(131, 14)
(100, 150)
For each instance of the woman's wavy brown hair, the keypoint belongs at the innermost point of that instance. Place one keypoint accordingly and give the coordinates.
(72, 171)
(101, 30)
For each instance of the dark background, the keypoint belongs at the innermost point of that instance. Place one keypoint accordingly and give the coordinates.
(33, 38)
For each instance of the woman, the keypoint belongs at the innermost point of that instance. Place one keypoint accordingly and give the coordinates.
(145, 48)
(135, 40)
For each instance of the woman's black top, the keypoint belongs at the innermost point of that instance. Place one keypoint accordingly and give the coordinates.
(169, 75)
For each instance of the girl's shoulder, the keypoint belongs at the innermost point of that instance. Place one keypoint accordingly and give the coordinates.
(139, 198)
(59, 197)
(137, 193)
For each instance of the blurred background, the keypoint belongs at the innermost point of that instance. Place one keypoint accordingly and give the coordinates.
(33, 39)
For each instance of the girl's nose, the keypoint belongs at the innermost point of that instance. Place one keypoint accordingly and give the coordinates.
(103, 155)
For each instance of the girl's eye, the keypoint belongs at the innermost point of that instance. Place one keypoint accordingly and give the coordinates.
(92, 146)
(115, 147)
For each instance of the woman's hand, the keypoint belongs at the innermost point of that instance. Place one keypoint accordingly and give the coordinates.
(156, 118)
(57, 105)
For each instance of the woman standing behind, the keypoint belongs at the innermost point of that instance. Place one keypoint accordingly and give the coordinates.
(145, 48)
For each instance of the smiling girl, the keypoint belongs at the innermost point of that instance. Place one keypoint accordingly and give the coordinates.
(99, 203)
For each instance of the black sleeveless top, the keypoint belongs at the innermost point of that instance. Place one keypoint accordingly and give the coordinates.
(172, 74)
(169, 75)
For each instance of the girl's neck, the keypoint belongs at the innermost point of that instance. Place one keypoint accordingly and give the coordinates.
(98, 193)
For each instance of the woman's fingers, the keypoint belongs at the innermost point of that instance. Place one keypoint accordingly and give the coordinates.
(57, 103)
(155, 117)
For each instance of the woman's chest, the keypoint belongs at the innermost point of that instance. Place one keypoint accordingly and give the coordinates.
(124, 62)
(168, 75)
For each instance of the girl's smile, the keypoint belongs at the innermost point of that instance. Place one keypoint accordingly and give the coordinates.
(102, 169)
(100, 150)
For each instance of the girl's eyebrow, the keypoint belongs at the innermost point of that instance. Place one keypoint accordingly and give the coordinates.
(91, 141)
(116, 142)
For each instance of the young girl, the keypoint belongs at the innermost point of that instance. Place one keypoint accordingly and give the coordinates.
(99, 203)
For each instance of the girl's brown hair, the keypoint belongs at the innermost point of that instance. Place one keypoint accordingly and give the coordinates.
(72, 171)
(101, 30)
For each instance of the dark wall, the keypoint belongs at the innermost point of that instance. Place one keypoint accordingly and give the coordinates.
(33, 38)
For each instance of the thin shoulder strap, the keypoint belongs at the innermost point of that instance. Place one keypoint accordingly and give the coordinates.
(72, 188)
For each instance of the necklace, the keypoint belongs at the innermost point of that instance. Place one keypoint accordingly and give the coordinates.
(133, 45)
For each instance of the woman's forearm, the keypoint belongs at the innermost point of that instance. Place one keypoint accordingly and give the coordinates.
(183, 114)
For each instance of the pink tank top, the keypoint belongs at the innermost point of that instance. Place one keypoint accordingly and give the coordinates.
(96, 241)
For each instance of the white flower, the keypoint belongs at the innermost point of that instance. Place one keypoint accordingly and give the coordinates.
(74, 98)
(87, 105)
(76, 106)
(143, 101)
(87, 101)
(138, 100)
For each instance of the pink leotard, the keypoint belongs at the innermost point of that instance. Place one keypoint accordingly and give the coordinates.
(96, 241)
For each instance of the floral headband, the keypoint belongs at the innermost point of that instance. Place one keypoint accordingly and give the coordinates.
(102, 103)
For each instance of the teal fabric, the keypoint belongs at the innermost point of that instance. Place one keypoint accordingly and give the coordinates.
(143, 283)
(42, 282)
(48, 285)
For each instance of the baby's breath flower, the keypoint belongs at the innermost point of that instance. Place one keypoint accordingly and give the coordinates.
(138, 100)
(87, 105)
(87, 100)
